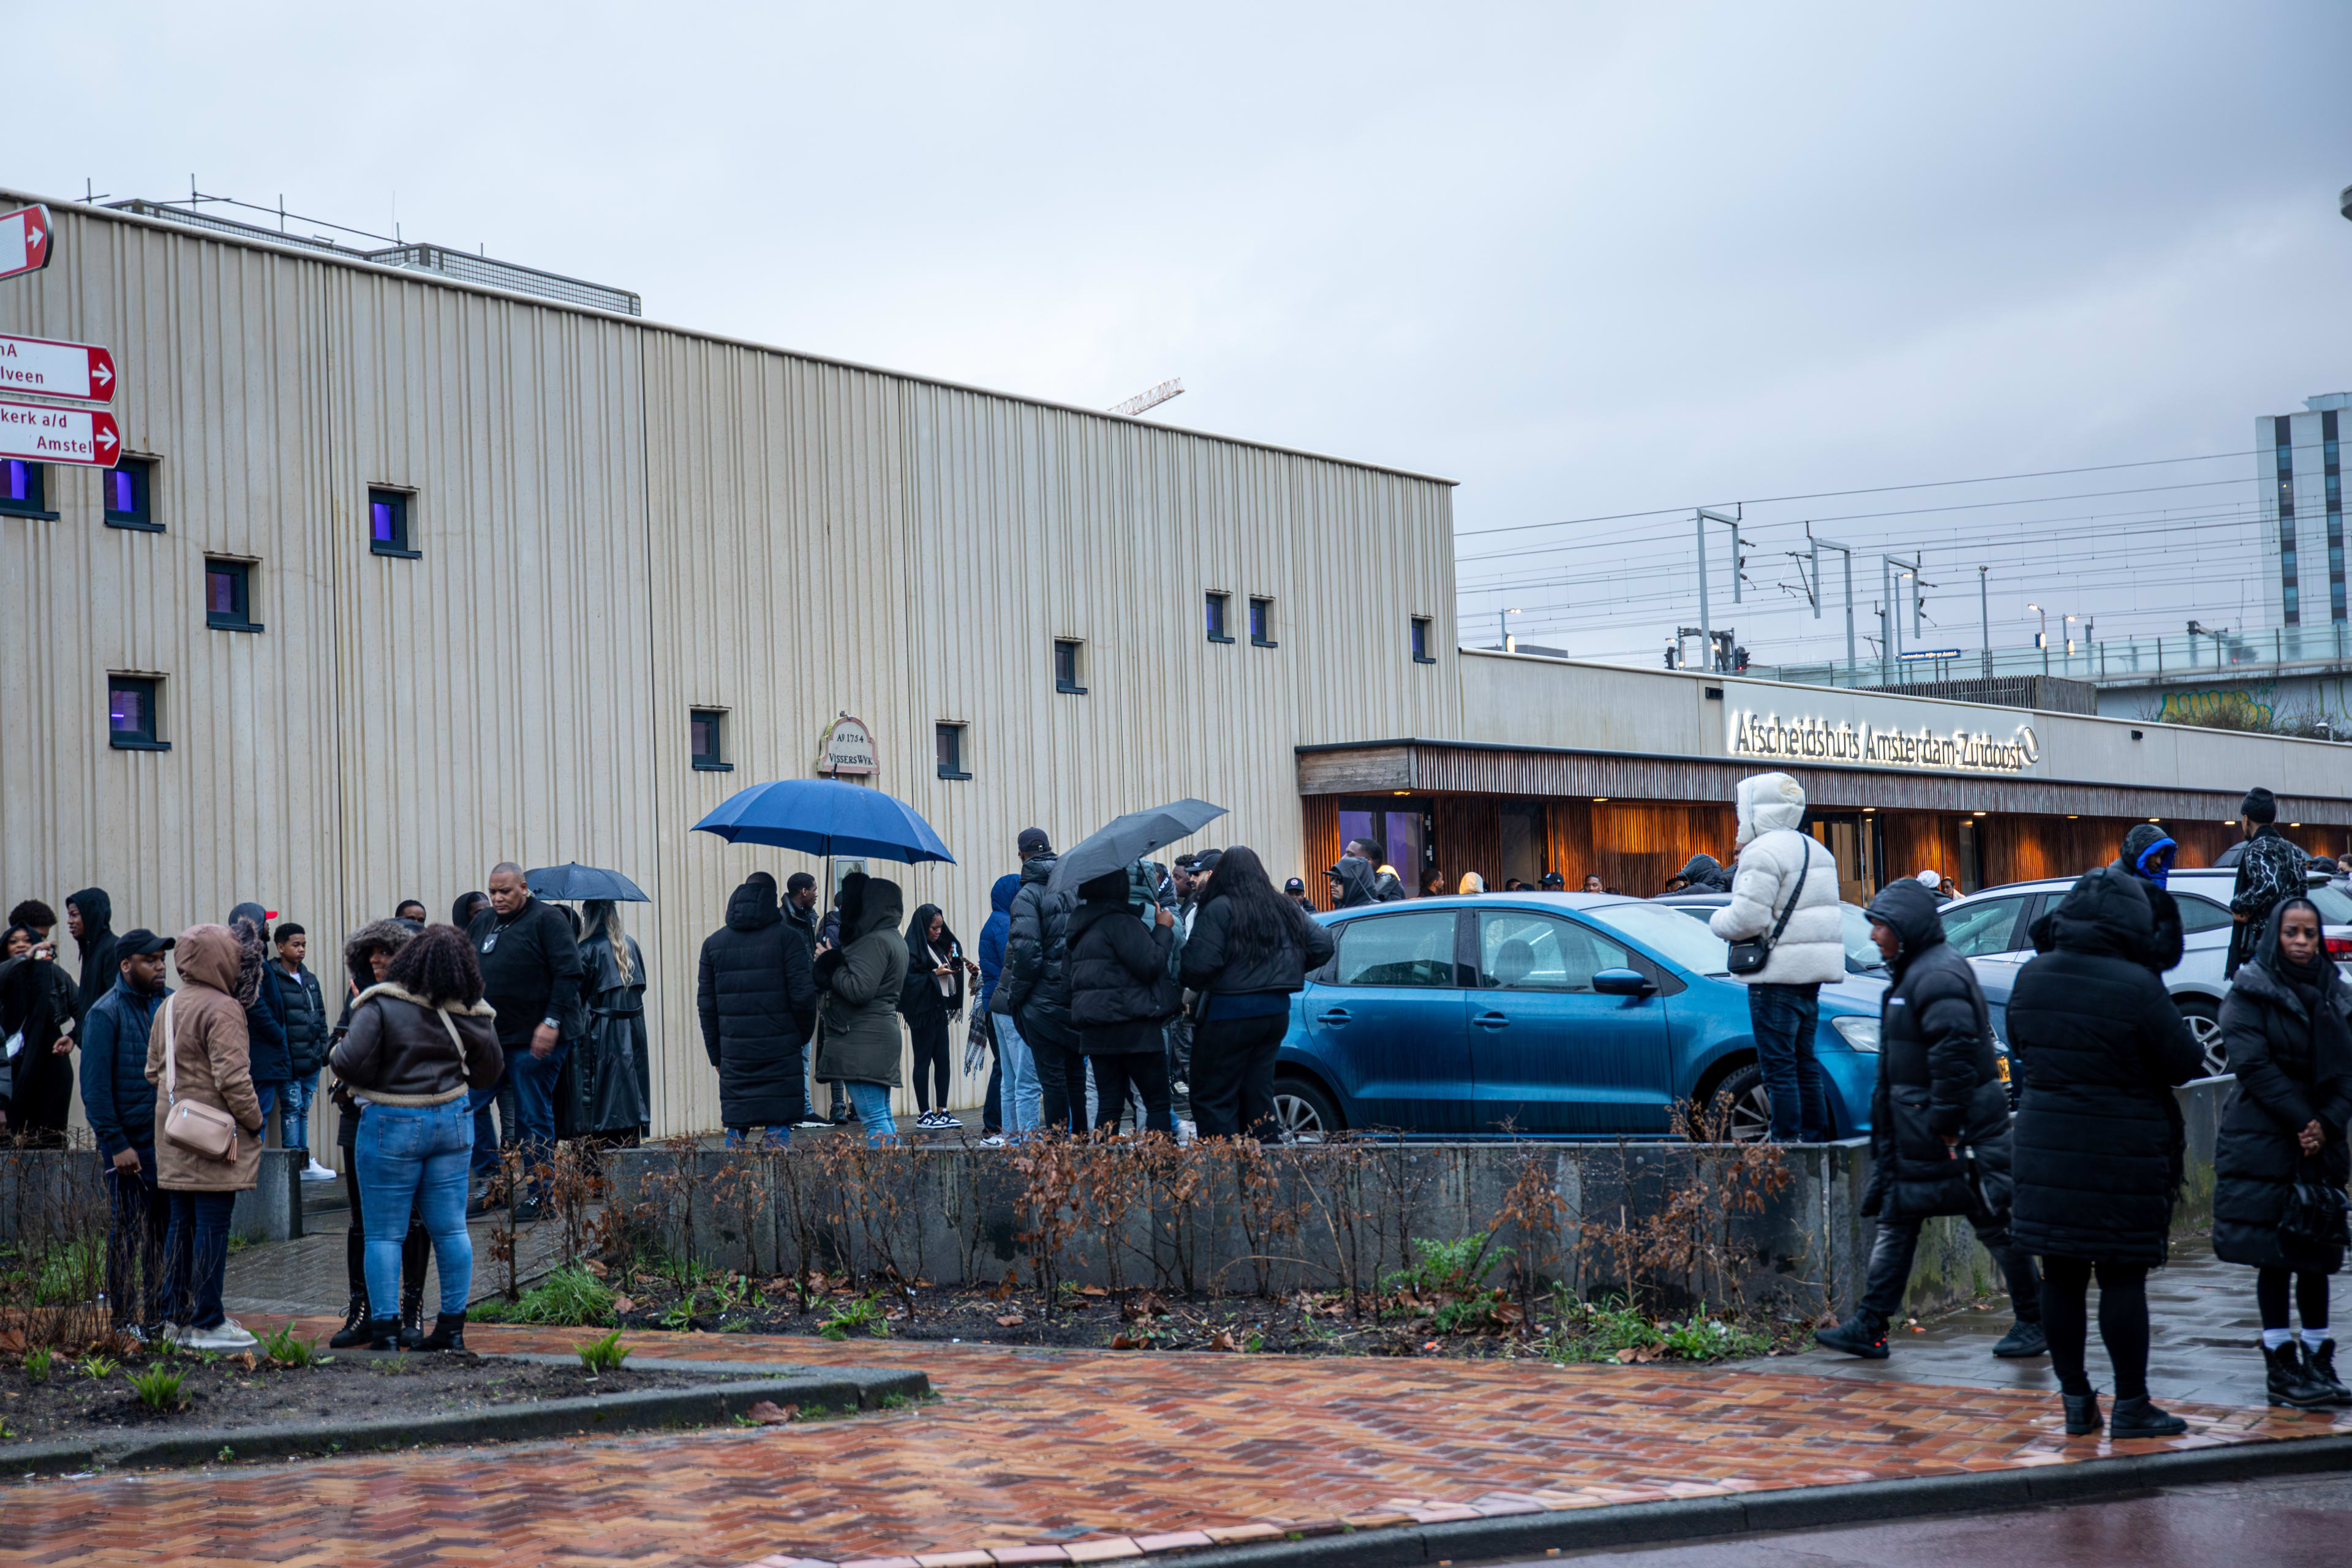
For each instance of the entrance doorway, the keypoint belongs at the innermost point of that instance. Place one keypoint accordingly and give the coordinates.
(1400, 825)
(1855, 839)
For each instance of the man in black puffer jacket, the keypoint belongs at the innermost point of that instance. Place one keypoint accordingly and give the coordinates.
(1122, 993)
(757, 1000)
(1939, 1106)
(1034, 990)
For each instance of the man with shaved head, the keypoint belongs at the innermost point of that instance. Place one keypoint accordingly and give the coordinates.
(531, 974)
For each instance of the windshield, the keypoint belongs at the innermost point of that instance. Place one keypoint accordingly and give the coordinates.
(2334, 904)
(1668, 932)
(1861, 953)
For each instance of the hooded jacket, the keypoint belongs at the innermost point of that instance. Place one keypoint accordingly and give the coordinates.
(2290, 1047)
(1704, 873)
(115, 1093)
(990, 954)
(2099, 1046)
(2270, 869)
(1778, 864)
(100, 962)
(1358, 883)
(1120, 988)
(1034, 991)
(919, 1001)
(1937, 1078)
(256, 987)
(399, 1052)
(756, 999)
(858, 1037)
(211, 1064)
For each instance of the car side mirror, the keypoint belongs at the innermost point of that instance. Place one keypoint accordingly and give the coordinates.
(1622, 983)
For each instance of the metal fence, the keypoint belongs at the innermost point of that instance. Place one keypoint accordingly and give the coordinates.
(2116, 661)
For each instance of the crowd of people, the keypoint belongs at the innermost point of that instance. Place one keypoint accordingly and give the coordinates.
(517, 1006)
(2081, 1180)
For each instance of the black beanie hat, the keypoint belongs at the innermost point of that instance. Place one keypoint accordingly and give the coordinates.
(2259, 805)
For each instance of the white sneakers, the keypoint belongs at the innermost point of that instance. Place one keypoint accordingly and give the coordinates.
(938, 1120)
(315, 1172)
(229, 1336)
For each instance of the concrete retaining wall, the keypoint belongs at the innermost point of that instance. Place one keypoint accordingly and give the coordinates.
(42, 1189)
(1317, 1216)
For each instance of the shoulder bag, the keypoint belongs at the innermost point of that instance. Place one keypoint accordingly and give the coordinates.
(189, 1124)
(1749, 956)
(2315, 1213)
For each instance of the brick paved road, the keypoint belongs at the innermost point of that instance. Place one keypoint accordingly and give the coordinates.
(1033, 1447)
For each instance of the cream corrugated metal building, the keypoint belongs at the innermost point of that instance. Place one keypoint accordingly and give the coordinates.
(614, 523)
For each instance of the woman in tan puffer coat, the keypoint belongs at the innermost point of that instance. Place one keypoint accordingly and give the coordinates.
(202, 1025)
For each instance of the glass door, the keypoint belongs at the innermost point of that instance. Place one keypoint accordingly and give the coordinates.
(1854, 838)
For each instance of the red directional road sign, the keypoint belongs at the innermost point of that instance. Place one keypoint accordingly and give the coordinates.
(24, 241)
(40, 434)
(83, 372)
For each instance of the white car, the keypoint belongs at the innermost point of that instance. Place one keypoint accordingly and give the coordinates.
(1989, 929)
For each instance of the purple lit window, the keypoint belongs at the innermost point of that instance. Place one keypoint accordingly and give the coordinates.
(388, 522)
(125, 489)
(220, 593)
(228, 596)
(707, 727)
(130, 714)
(126, 496)
(20, 487)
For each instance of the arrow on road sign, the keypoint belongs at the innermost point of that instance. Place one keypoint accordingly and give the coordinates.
(83, 372)
(39, 433)
(25, 236)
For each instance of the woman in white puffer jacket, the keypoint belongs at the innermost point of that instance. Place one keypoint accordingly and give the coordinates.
(1779, 865)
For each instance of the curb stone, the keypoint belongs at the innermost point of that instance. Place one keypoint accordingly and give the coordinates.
(1533, 1533)
(591, 1415)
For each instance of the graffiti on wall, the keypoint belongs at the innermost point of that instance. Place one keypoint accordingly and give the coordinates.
(2232, 707)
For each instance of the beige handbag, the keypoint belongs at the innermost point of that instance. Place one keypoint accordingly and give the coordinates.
(190, 1125)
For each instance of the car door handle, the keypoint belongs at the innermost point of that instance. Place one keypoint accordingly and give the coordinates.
(1492, 1020)
(1335, 1016)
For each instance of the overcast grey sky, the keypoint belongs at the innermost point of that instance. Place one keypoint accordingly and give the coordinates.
(1585, 260)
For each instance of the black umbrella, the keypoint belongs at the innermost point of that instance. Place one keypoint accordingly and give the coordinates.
(1129, 838)
(574, 882)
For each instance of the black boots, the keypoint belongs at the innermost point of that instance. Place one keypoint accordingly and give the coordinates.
(2319, 1360)
(1861, 1335)
(355, 1331)
(412, 1315)
(2082, 1415)
(2140, 1417)
(2023, 1339)
(383, 1334)
(449, 1333)
(2292, 1380)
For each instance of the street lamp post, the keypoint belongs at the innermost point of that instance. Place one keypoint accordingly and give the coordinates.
(1503, 620)
(2041, 638)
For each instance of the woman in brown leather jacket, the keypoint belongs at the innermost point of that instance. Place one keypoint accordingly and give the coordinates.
(417, 1041)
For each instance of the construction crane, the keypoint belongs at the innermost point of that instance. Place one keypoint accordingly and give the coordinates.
(1153, 399)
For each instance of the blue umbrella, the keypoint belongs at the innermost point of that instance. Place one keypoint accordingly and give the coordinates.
(575, 883)
(826, 816)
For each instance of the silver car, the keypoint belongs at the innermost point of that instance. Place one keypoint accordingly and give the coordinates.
(1989, 929)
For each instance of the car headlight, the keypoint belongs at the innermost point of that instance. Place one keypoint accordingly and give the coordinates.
(1859, 1030)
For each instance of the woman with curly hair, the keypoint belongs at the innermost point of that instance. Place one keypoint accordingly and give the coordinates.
(418, 1040)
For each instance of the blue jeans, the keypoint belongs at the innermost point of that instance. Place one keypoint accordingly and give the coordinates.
(872, 1103)
(299, 1093)
(771, 1138)
(485, 1133)
(1784, 1018)
(534, 1086)
(196, 1258)
(1022, 1094)
(415, 1154)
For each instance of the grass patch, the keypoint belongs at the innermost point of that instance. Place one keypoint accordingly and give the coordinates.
(571, 1297)
(159, 1387)
(604, 1355)
(864, 1312)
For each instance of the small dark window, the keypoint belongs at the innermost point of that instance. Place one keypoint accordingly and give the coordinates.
(1420, 654)
(708, 729)
(388, 523)
(228, 596)
(21, 489)
(1069, 667)
(129, 503)
(133, 722)
(1216, 617)
(950, 742)
(1262, 624)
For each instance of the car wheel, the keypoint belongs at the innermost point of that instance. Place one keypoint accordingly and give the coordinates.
(1305, 1112)
(1750, 1114)
(2204, 1021)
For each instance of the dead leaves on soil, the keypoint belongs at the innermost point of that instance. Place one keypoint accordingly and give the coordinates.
(1011, 1320)
(1640, 1354)
(768, 1413)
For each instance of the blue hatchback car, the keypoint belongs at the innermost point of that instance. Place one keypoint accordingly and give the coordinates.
(1543, 1015)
